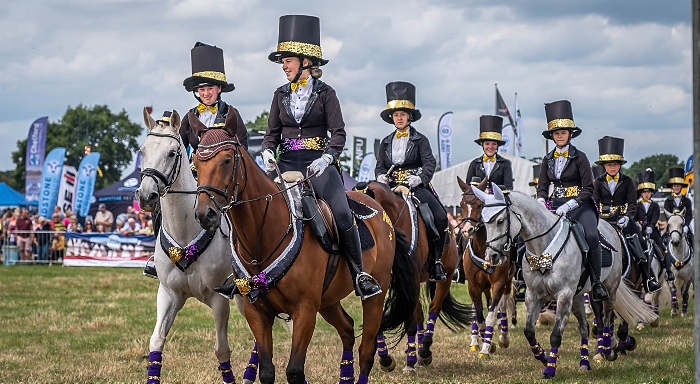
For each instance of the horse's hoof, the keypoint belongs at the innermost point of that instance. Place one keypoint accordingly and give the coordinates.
(674, 314)
(246, 381)
(598, 358)
(484, 355)
(632, 344)
(409, 370)
(683, 314)
(548, 376)
(503, 343)
(492, 349)
(640, 326)
(388, 367)
(425, 361)
(655, 323)
(584, 368)
(612, 356)
(473, 348)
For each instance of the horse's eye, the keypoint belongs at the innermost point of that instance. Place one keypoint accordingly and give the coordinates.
(227, 161)
(499, 221)
(172, 153)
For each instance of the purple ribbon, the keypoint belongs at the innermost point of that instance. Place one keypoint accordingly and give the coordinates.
(191, 253)
(259, 281)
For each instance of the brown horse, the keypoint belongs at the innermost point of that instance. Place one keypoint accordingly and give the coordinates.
(271, 234)
(453, 313)
(484, 279)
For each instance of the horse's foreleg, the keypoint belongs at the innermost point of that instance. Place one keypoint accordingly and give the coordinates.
(685, 297)
(532, 307)
(304, 324)
(477, 318)
(336, 316)
(578, 309)
(167, 306)
(372, 309)
(261, 326)
(494, 308)
(564, 301)
(221, 310)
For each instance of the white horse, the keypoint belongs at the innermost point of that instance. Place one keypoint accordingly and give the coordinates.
(166, 177)
(681, 260)
(552, 269)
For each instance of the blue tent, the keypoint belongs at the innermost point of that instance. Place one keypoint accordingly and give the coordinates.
(10, 198)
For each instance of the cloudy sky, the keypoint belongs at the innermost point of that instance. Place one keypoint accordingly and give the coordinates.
(625, 65)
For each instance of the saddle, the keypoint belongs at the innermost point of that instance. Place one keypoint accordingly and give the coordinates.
(606, 247)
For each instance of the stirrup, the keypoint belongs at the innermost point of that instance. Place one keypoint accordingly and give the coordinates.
(670, 276)
(150, 269)
(435, 276)
(225, 288)
(372, 280)
(648, 283)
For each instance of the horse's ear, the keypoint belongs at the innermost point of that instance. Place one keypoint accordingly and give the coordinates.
(196, 125)
(482, 185)
(231, 125)
(462, 185)
(481, 195)
(148, 120)
(668, 214)
(175, 121)
(682, 213)
(497, 193)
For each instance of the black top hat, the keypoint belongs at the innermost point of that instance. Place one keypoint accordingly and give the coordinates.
(490, 129)
(207, 68)
(535, 175)
(476, 180)
(219, 122)
(165, 119)
(560, 116)
(598, 170)
(400, 96)
(676, 176)
(299, 35)
(646, 181)
(611, 149)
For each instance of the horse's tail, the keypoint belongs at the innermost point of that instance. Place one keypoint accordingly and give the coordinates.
(631, 308)
(454, 314)
(402, 296)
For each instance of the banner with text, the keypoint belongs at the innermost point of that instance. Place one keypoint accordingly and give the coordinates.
(369, 162)
(34, 159)
(107, 250)
(51, 181)
(445, 140)
(359, 149)
(87, 172)
(66, 193)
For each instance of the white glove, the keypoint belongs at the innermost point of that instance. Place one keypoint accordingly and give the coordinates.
(319, 165)
(414, 181)
(566, 207)
(268, 160)
(649, 230)
(622, 222)
(383, 179)
(542, 201)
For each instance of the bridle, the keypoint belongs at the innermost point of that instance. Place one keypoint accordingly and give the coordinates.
(169, 179)
(680, 233)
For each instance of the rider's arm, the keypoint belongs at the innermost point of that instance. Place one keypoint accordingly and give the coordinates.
(427, 161)
(631, 199)
(273, 135)
(382, 167)
(543, 181)
(586, 174)
(334, 122)
(508, 175)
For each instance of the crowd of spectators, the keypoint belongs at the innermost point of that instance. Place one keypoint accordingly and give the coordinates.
(42, 239)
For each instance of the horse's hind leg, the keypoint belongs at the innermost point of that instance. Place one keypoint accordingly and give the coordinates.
(532, 307)
(221, 310)
(564, 300)
(578, 309)
(167, 306)
(336, 316)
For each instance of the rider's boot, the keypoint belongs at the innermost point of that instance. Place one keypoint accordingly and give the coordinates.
(665, 261)
(595, 259)
(227, 290)
(437, 272)
(365, 285)
(150, 270)
(635, 246)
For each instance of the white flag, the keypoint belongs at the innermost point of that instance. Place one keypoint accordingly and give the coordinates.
(518, 129)
(366, 171)
(66, 190)
(507, 136)
(445, 140)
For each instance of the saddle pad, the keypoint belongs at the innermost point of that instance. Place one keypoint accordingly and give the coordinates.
(366, 239)
(607, 258)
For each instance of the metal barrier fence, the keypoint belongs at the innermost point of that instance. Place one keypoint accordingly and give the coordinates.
(32, 247)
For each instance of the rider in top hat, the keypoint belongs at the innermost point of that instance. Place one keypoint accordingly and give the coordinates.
(569, 170)
(616, 195)
(677, 201)
(491, 165)
(405, 157)
(307, 125)
(648, 213)
(207, 83)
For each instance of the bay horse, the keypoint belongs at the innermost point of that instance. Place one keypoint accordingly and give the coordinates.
(681, 255)
(490, 277)
(552, 269)
(403, 214)
(166, 179)
(283, 268)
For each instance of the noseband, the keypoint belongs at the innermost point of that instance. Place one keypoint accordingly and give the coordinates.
(210, 190)
(158, 176)
(680, 233)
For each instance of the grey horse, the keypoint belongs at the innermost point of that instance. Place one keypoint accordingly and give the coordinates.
(552, 269)
(681, 259)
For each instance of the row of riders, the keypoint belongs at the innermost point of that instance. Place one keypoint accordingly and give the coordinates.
(306, 133)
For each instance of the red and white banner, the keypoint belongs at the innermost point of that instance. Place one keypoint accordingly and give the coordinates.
(107, 250)
(66, 191)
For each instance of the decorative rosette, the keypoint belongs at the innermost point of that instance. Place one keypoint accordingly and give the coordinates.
(175, 254)
(191, 252)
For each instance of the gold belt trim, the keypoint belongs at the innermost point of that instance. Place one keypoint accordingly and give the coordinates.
(560, 192)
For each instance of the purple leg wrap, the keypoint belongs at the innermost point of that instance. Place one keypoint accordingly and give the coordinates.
(684, 307)
(362, 379)
(537, 350)
(607, 341)
(551, 368)
(155, 359)
(475, 326)
(504, 322)
(226, 372)
(381, 345)
(420, 332)
(584, 354)
(411, 357)
(251, 371)
(600, 343)
(586, 299)
(488, 335)
(347, 370)
(674, 301)
(430, 326)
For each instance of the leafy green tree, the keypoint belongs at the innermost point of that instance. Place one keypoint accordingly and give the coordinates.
(659, 163)
(112, 135)
(259, 124)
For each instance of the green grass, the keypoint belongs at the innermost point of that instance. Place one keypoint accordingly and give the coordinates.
(93, 325)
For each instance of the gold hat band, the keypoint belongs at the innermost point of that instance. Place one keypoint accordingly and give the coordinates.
(165, 118)
(305, 49)
(646, 186)
(560, 123)
(676, 180)
(395, 104)
(219, 76)
(495, 136)
(536, 180)
(611, 157)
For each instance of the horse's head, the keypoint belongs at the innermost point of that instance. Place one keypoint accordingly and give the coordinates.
(161, 157)
(676, 226)
(470, 204)
(219, 162)
(496, 215)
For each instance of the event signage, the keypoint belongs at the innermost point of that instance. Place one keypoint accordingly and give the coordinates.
(87, 173)
(358, 152)
(34, 159)
(445, 140)
(107, 250)
(66, 192)
(51, 181)
(369, 162)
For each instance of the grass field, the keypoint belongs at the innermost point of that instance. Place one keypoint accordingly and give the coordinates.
(93, 325)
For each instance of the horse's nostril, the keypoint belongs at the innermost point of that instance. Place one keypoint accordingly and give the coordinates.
(152, 196)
